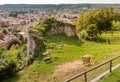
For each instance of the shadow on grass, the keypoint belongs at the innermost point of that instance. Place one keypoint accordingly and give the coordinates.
(118, 80)
(13, 78)
(100, 40)
(61, 38)
(117, 76)
(39, 55)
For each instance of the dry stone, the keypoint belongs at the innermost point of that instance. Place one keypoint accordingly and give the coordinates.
(61, 27)
(86, 59)
(46, 53)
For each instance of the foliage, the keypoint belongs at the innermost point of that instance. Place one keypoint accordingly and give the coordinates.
(83, 35)
(2, 50)
(11, 61)
(13, 42)
(92, 31)
(115, 25)
(101, 19)
(45, 25)
(16, 32)
(5, 31)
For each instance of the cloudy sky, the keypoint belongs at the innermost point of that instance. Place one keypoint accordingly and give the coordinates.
(56, 1)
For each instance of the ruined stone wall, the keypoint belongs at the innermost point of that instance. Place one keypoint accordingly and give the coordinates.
(68, 29)
(35, 42)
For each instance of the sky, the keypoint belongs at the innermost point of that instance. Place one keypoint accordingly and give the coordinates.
(57, 1)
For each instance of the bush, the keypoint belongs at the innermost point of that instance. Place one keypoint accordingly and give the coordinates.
(90, 33)
(83, 34)
(2, 50)
(13, 42)
(12, 61)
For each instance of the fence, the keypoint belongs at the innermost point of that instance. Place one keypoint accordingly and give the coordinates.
(85, 72)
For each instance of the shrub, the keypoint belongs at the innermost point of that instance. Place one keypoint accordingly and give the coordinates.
(83, 34)
(13, 42)
(12, 61)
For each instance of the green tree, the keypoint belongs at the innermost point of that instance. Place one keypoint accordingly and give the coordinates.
(102, 19)
(92, 31)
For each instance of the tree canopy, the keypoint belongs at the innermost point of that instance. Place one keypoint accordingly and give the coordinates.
(101, 20)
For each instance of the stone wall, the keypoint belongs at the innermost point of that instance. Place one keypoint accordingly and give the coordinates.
(68, 29)
(35, 42)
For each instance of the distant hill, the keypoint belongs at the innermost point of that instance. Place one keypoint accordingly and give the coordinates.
(50, 7)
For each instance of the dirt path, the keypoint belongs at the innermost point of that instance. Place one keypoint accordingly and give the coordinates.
(67, 67)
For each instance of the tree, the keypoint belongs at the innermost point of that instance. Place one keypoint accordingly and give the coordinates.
(102, 19)
(92, 31)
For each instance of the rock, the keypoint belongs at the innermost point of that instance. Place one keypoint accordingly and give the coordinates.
(86, 60)
(46, 53)
(51, 45)
(47, 58)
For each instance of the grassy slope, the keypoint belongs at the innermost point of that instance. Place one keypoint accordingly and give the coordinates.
(66, 49)
(113, 77)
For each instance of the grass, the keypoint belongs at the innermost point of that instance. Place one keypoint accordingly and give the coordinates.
(113, 77)
(114, 39)
(67, 49)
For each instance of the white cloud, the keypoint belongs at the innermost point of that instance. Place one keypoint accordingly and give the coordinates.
(56, 1)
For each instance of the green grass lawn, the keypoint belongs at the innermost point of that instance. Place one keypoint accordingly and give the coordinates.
(113, 77)
(114, 39)
(67, 49)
